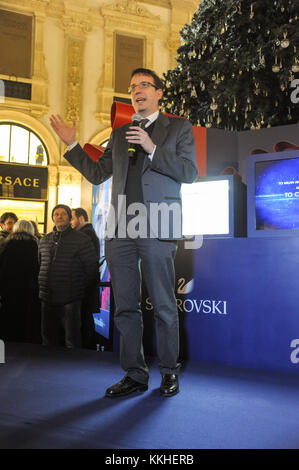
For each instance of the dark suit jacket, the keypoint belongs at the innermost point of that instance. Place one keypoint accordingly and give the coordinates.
(174, 162)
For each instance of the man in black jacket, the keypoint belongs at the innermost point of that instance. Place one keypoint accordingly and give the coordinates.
(67, 266)
(80, 222)
(91, 301)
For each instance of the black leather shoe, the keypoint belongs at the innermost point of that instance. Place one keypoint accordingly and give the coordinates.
(169, 385)
(125, 387)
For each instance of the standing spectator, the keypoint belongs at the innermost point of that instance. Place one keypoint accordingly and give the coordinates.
(80, 222)
(90, 302)
(20, 314)
(67, 266)
(7, 221)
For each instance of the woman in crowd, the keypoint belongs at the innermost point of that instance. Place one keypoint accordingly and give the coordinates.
(20, 311)
(37, 234)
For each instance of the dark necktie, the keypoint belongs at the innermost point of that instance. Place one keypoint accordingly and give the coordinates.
(143, 123)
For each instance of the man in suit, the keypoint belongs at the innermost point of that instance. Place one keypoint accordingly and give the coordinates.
(163, 158)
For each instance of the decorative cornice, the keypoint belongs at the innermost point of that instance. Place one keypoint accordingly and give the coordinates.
(52, 175)
(34, 109)
(73, 24)
(29, 5)
(129, 8)
(173, 43)
(67, 175)
(158, 3)
(74, 80)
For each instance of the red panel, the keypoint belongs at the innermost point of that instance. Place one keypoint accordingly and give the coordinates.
(200, 135)
(121, 113)
(94, 151)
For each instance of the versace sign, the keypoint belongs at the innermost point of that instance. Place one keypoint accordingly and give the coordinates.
(23, 182)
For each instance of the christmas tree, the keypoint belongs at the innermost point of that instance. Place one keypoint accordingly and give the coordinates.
(236, 65)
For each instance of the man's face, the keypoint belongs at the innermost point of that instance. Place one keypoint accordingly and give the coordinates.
(8, 224)
(75, 222)
(60, 218)
(145, 100)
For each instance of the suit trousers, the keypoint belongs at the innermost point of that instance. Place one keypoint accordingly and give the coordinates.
(124, 257)
(61, 324)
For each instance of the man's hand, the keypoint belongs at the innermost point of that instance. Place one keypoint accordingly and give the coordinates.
(139, 136)
(67, 134)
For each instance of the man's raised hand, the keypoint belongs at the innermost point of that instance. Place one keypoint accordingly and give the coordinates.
(67, 134)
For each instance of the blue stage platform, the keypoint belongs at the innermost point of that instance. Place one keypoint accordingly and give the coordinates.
(238, 301)
(54, 399)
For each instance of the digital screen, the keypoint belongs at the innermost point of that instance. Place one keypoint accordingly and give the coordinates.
(102, 319)
(277, 194)
(205, 208)
(101, 322)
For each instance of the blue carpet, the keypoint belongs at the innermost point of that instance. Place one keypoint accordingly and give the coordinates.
(54, 399)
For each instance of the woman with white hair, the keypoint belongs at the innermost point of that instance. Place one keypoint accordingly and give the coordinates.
(20, 312)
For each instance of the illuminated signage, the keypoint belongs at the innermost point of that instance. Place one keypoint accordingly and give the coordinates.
(23, 181)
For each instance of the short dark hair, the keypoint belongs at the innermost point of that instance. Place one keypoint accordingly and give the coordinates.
(6, 215)
(81, 212)
(141, 71)
(65, 207)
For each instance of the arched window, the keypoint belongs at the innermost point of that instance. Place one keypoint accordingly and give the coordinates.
(20, 145)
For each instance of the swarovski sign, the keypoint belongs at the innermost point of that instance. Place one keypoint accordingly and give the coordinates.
(206, 306)
(194, 305)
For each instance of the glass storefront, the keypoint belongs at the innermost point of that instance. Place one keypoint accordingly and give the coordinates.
(23, 174)
(29, 210)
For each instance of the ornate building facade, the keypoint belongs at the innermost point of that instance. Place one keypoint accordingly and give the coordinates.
(75, 49)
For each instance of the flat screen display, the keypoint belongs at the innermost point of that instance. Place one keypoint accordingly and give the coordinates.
(277, 194)
(205, 208)
(101, 322)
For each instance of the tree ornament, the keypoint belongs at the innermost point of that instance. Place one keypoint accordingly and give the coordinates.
(275, 67)
(285, 42)
(213, 105)
(217, 80)
(193, 92)
(223, 62)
